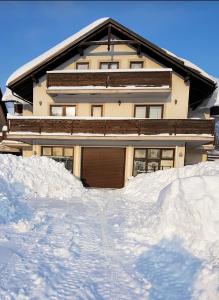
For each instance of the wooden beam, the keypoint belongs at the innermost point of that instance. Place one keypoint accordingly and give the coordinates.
(81, 51)
(112, 42)
(109, 37)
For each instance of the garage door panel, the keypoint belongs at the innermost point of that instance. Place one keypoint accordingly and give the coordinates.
(103, 167)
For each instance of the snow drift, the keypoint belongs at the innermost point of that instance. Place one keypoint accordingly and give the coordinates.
(158, 238)
(33, 177)
(39, 176)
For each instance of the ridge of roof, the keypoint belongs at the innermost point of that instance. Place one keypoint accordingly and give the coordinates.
(49, 54)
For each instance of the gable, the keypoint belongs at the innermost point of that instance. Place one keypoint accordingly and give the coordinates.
(95, 34)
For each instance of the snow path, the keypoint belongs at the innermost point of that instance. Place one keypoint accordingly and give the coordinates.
(158, 238)
(68, 252)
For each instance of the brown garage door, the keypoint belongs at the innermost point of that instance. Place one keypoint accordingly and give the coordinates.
(103, 167)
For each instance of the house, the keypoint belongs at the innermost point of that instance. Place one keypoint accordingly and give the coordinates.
(110, 104)
(5, 148)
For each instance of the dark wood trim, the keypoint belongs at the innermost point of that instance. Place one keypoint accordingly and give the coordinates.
(82, 63)
(112, 42)
(111, 78)
(109, 37)
(97, 105)
(114, 126)
(147, 112)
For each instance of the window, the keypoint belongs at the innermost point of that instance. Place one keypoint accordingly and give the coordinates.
(60, 154)
(136, 64)
(67, 110)
(109, 65)
(155, 112)
(56, 111)
(82, 66)
(149, 111)
(70, 111)
(152, 159)
(140, 111)
(47, 151)
(97, 110)
(18, 109)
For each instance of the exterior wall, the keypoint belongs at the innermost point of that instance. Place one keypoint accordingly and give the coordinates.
(175, 107)
(195, 155)
(27, 152)
(27, 110)
(129, 156)
(179, 156)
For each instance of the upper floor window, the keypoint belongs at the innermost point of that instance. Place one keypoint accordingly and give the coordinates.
(82, 65)
(69, 111)
(18, 109)
(109, 65)
(149, 111)
(97, 110)
(136, 64)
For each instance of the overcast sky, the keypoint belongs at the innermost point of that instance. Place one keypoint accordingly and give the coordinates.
(189, 29)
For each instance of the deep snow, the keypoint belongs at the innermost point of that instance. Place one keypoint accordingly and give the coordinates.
(158, 238)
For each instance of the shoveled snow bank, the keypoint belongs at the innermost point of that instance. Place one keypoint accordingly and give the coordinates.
(39, 177)
(33, 177)
(158, 238)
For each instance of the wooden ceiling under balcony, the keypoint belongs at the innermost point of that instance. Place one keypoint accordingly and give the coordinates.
(110, 79)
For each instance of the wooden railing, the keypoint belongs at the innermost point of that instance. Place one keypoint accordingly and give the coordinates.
(112, 126)
(111, 79)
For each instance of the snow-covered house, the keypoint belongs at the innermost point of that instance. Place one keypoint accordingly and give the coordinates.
(110, 104)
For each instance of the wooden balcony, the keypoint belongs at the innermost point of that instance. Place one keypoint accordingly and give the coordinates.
(146, 78)
(110, 126)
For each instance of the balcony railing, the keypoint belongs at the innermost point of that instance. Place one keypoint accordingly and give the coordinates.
(111, 126)
(110, 78)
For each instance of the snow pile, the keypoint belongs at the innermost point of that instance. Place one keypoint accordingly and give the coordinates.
(21, 178)
(177, 230)
(39, 177)
(158, 238)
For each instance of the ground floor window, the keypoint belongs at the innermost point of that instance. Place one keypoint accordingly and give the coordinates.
(147, 160)
(60, 154)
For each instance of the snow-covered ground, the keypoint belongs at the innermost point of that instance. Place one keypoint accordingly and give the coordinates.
(158, 238)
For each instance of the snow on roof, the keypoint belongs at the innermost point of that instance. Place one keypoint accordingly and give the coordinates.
(190, 65)
(51, 52)
(213, 100)
(9, 97)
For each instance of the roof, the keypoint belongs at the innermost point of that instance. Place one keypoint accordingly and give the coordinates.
(22, 79)
(53, 51)
(11, 97)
